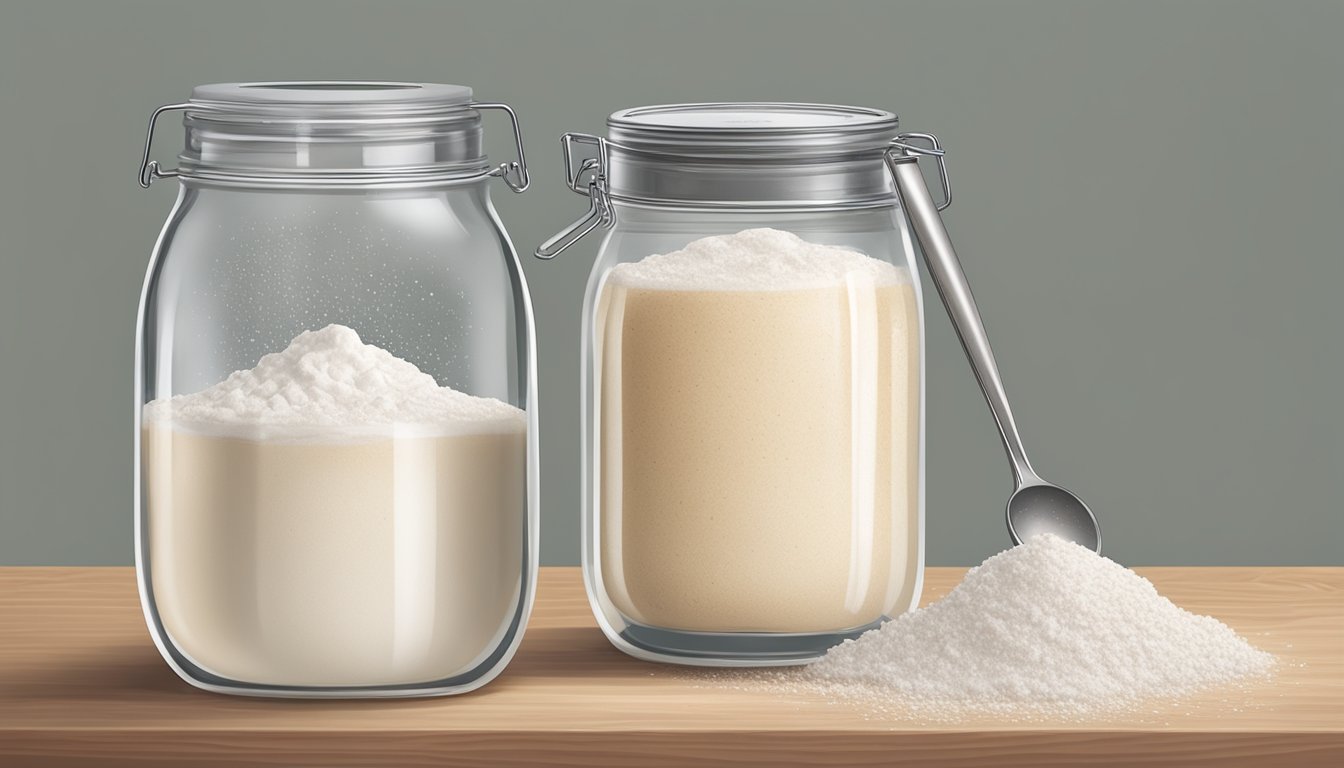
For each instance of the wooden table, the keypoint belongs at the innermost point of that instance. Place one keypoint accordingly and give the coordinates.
(80, 682)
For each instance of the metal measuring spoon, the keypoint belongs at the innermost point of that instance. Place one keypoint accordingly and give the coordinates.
(1036, 506)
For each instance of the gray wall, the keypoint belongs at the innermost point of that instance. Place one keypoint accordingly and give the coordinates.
(1148, 205)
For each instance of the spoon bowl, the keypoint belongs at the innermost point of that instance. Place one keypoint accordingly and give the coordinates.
(1045, 508)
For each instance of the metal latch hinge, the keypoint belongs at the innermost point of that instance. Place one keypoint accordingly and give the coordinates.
(586, 177)
(514, 173)
(935, 149)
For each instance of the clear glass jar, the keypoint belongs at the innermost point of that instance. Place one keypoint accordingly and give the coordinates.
(336, 481)
(753, 405)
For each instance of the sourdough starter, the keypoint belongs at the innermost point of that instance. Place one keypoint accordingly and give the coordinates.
(332, 517)
(759, 436)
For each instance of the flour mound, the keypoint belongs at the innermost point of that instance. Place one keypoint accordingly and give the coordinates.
(756, 259)
(329, 381)
(1047, 626)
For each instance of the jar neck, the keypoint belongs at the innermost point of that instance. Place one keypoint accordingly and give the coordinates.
(651, 218)
(444, 146)
(476, 188)
(852, 180)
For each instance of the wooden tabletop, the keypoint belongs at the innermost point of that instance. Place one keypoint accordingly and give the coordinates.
(80, 682)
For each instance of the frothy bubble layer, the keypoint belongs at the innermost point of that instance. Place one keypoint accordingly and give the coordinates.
(328, 382)
(756, 260)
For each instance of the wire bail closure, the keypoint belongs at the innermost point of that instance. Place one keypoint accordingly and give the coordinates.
(935, 149)
(514, 172)
(149, 169)
(600, 212)
(589, 178)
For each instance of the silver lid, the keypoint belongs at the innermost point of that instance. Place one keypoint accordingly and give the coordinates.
(736, 156)
(750, 155)
(334, 133)
(752, 131)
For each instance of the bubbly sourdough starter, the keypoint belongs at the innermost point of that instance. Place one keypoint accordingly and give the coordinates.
(759, 437)
(333, 518)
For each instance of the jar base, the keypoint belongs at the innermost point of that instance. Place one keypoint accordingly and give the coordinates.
(730, 649)
(197, 677)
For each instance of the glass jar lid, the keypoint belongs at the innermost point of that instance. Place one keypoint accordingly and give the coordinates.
(330, 99)
(738, 156)
(760, 131)
(334, 133)
(750, 155)
(730, 155)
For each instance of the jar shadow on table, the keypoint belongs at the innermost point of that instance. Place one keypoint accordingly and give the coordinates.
(133, 676)
(94, 674)
(131, 672)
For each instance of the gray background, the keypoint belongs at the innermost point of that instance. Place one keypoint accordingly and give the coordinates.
(1148, 205)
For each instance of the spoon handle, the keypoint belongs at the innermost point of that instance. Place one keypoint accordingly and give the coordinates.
(956, 294)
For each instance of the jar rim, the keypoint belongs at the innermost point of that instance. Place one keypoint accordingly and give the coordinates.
(327, 99)
(751, 130)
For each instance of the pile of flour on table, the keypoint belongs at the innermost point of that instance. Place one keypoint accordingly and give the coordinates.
(1049, 628)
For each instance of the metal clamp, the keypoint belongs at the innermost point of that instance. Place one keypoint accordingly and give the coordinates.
(599, 215)
(514, 173)
(597, 165)
(600, 212)
(149, 169)
(935, 149)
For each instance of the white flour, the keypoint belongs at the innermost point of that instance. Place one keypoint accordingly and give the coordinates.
(755, 259)
(759, 435)
(328, 380)
(334, 518)
(1049, 627)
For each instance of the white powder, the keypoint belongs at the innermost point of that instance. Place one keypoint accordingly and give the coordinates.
(329, 381)
(1048, 627)
(755, 259)
(759, 426)
(368, 529)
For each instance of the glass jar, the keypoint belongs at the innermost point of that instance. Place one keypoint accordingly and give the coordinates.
(753, 381)
(336, 480)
